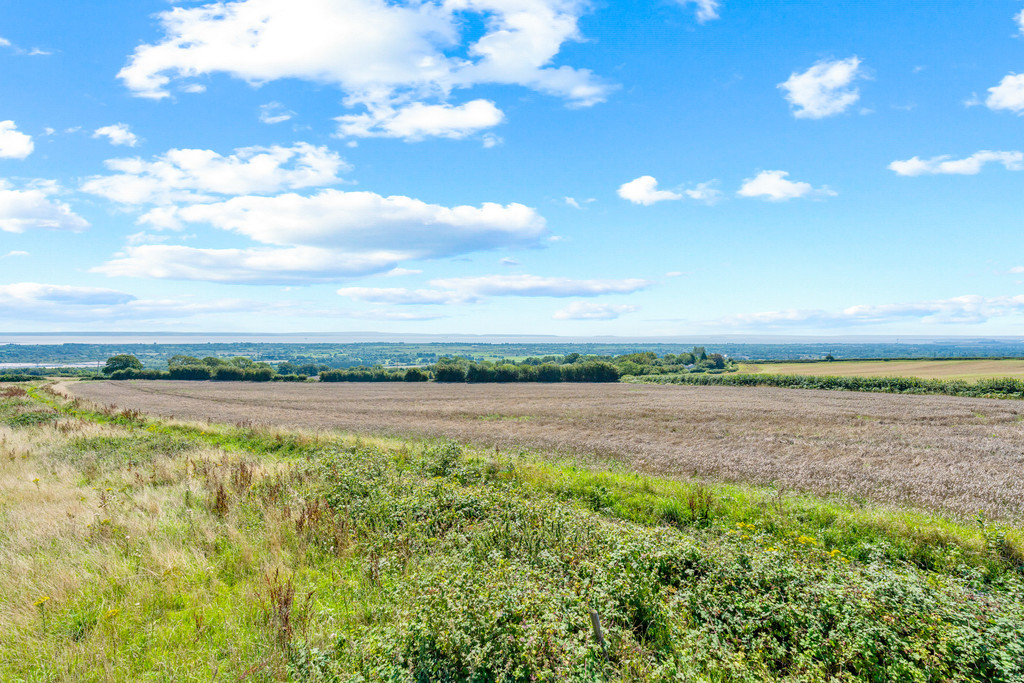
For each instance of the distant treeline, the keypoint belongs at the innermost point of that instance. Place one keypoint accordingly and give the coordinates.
(1000, 387)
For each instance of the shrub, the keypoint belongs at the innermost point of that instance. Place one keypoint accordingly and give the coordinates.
(191, 372)
(449, 373)
(227, 373)
(415, 375)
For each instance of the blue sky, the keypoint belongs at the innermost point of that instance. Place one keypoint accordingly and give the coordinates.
(660, 167)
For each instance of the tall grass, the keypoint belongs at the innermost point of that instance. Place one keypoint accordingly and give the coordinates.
(143, 549)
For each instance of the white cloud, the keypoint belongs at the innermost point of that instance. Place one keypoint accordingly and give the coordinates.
(200, 174)
(399, 272)
(34, 208)
(706, 9)
(1019, 18)
(1009, 94)
(325, 237)
(675, 273)
(705, 192)
(383, 56)
(508, 261)
(535, 285)
(970, 309)
(824, 89)
(13, 143)
(247, 266)
(417, 121)
(1017, 269)
(401, 295)
(473, 289)
(378, 314)
(578, 203)
(118, 134)
(35, 301)
(4, 42)
(773, 186)
(364, 220)
(14, 253)
(580, 310)
(275, 112)
(972, 165)
(644, 190)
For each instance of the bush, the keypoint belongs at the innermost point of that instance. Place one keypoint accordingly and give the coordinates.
(191, 372)
(449, 373)
(415, 375)
(123, 361)
(258, 375)
(227, 373)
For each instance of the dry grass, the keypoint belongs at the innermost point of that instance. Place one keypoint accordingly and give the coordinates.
(943, 453)
(969, 370)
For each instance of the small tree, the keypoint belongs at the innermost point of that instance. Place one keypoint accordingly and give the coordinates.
(123, 361)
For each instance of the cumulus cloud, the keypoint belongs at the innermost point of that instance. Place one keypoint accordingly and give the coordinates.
(472, 289)
(1009, 94)
(774, 186)
(383, 56)
(644, 190)
(275, 112)
(118, 134)
(13, 143)
(706, 9)
(200, 174)
(1019, 18)
(825, 89)
(418, 121)
(970, 309)
(33, 207)
(580, 310)
(325, 237)
(945, 164)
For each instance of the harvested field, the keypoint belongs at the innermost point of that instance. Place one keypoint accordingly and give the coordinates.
(954, 454)
(968, 370)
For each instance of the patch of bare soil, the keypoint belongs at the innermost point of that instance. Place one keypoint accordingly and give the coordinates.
(947, 453)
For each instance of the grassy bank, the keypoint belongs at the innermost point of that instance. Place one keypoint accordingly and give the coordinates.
(141, 549)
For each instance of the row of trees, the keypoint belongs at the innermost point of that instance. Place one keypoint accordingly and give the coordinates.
(572, 367)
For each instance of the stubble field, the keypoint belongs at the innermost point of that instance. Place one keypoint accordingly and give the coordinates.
(968, 370)
(943, 453)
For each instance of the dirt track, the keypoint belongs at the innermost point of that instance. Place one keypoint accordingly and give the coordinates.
(957, 454)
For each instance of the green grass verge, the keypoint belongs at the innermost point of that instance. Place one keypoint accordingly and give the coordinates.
(268, 555)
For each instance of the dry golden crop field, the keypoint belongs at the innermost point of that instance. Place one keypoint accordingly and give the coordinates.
(969, 370)
(953, 454)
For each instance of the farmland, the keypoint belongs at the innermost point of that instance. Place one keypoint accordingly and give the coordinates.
(969, 370)
(139, 548)
(936, 452)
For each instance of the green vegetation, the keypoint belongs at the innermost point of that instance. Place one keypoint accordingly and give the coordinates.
(141, 549)
(1007, 387)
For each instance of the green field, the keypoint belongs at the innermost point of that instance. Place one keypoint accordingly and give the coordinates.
(926, 369)
(142, 549)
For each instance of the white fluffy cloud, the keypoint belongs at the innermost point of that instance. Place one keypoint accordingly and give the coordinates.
(417, 121)
(825, 89)
(644, 190)
(971, 309)
(705, 192)
(33, 207)
(972, 165)
(580, 310)
(13, 143)
(774, 186)
(470, 289)
(201, 174)
(325, 237)
(1009, 94)
(706, 9)
(384, 56)
(118, 134)
(1019, 18)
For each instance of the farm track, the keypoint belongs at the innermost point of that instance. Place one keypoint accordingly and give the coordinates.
(944, 453)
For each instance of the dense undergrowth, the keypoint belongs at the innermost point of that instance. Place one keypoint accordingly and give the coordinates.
(996, 387)
(143, 549)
